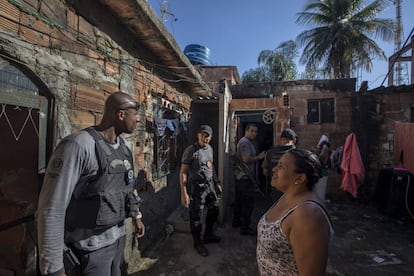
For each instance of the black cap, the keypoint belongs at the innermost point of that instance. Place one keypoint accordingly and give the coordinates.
(207, 129)
(289, 133)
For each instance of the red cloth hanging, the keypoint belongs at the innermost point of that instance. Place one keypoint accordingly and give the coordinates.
(353, 171)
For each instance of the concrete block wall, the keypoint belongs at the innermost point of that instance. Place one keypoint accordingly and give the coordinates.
(309, 134)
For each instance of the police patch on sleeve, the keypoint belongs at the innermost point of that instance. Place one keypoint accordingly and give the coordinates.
(55, 167)
(57, 164)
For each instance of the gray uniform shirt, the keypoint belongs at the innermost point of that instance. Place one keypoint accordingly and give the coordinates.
(73, 159)
(200, 161)
(245, 147)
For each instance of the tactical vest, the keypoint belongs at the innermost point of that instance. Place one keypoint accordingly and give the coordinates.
(99, 201)
(273, 156)
(200, 170)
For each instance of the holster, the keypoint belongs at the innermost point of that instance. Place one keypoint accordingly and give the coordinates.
(71, 262)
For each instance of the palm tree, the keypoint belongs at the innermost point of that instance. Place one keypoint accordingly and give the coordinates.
(342, 39)
(274, 65)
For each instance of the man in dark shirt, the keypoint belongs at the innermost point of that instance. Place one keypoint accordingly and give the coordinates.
(198, 188)
(288, 139)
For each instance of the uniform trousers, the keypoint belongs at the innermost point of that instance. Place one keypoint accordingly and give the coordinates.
(105, 261)
(243, 202)
(202, 196)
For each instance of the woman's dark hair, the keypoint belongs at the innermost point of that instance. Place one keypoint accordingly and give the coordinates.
(308, 163)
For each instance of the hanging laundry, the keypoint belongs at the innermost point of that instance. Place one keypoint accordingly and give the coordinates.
(353, 171)
(160, 125)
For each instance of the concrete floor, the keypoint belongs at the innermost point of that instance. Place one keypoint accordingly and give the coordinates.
(366, 243)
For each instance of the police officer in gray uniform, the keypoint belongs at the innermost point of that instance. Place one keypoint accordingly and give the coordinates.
(87, 193)
(199, 188)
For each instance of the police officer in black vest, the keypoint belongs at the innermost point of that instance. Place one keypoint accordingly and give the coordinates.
(87, 193)
(199, 188)
(288, 141)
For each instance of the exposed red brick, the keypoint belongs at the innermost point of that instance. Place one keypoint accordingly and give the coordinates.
(108, 87)
(85, 28)
(111, 68)
(72, 20)
(8, 25)
(237, 104)
(9, 10)
(41, 26)
(87, 98)
(250, 103)
(34, 37)
(65, 41)
(95, 55)
(272, 103)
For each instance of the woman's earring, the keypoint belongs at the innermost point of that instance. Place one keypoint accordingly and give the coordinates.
(296, 182)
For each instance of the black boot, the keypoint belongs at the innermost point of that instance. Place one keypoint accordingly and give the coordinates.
(201, 249)
(198, 243)
(211, 217)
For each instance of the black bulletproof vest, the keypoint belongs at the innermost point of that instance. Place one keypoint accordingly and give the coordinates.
(274, 154)
(99, 201)
(200, 171)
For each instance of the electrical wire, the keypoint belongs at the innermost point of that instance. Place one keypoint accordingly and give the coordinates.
(107, 57)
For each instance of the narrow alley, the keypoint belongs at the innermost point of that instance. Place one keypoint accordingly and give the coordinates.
(366, 243)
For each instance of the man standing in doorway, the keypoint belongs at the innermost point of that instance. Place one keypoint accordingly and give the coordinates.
(199, 188)
(87, 193)
(245, 187)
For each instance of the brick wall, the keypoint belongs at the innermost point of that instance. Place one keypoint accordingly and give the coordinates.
(78, 65)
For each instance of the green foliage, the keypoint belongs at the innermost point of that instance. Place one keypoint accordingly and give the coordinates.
(342, 37)
(274, 65)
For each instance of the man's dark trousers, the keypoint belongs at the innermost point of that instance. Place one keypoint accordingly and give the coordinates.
(202, 197)
(243, 202)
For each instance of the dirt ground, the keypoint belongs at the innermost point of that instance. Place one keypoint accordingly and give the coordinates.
(366, 242)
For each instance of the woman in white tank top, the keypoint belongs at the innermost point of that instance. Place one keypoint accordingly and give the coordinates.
(294, 234)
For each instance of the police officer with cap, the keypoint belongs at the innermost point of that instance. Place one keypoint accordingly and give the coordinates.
(288, 141)
(200, 188)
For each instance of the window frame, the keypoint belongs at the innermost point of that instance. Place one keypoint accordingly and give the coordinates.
(324, 112)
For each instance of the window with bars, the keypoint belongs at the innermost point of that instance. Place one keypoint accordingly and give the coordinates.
(321, 111)
(164, 141)
(22, 108)
(161, 156)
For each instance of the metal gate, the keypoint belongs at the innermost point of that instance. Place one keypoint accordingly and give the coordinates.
(23, 126)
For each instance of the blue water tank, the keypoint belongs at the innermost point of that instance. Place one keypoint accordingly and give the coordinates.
(198, 54)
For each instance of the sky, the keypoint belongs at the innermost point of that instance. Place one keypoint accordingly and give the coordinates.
(236, 31)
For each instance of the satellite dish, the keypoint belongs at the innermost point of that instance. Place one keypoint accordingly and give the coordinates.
(165, 11)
